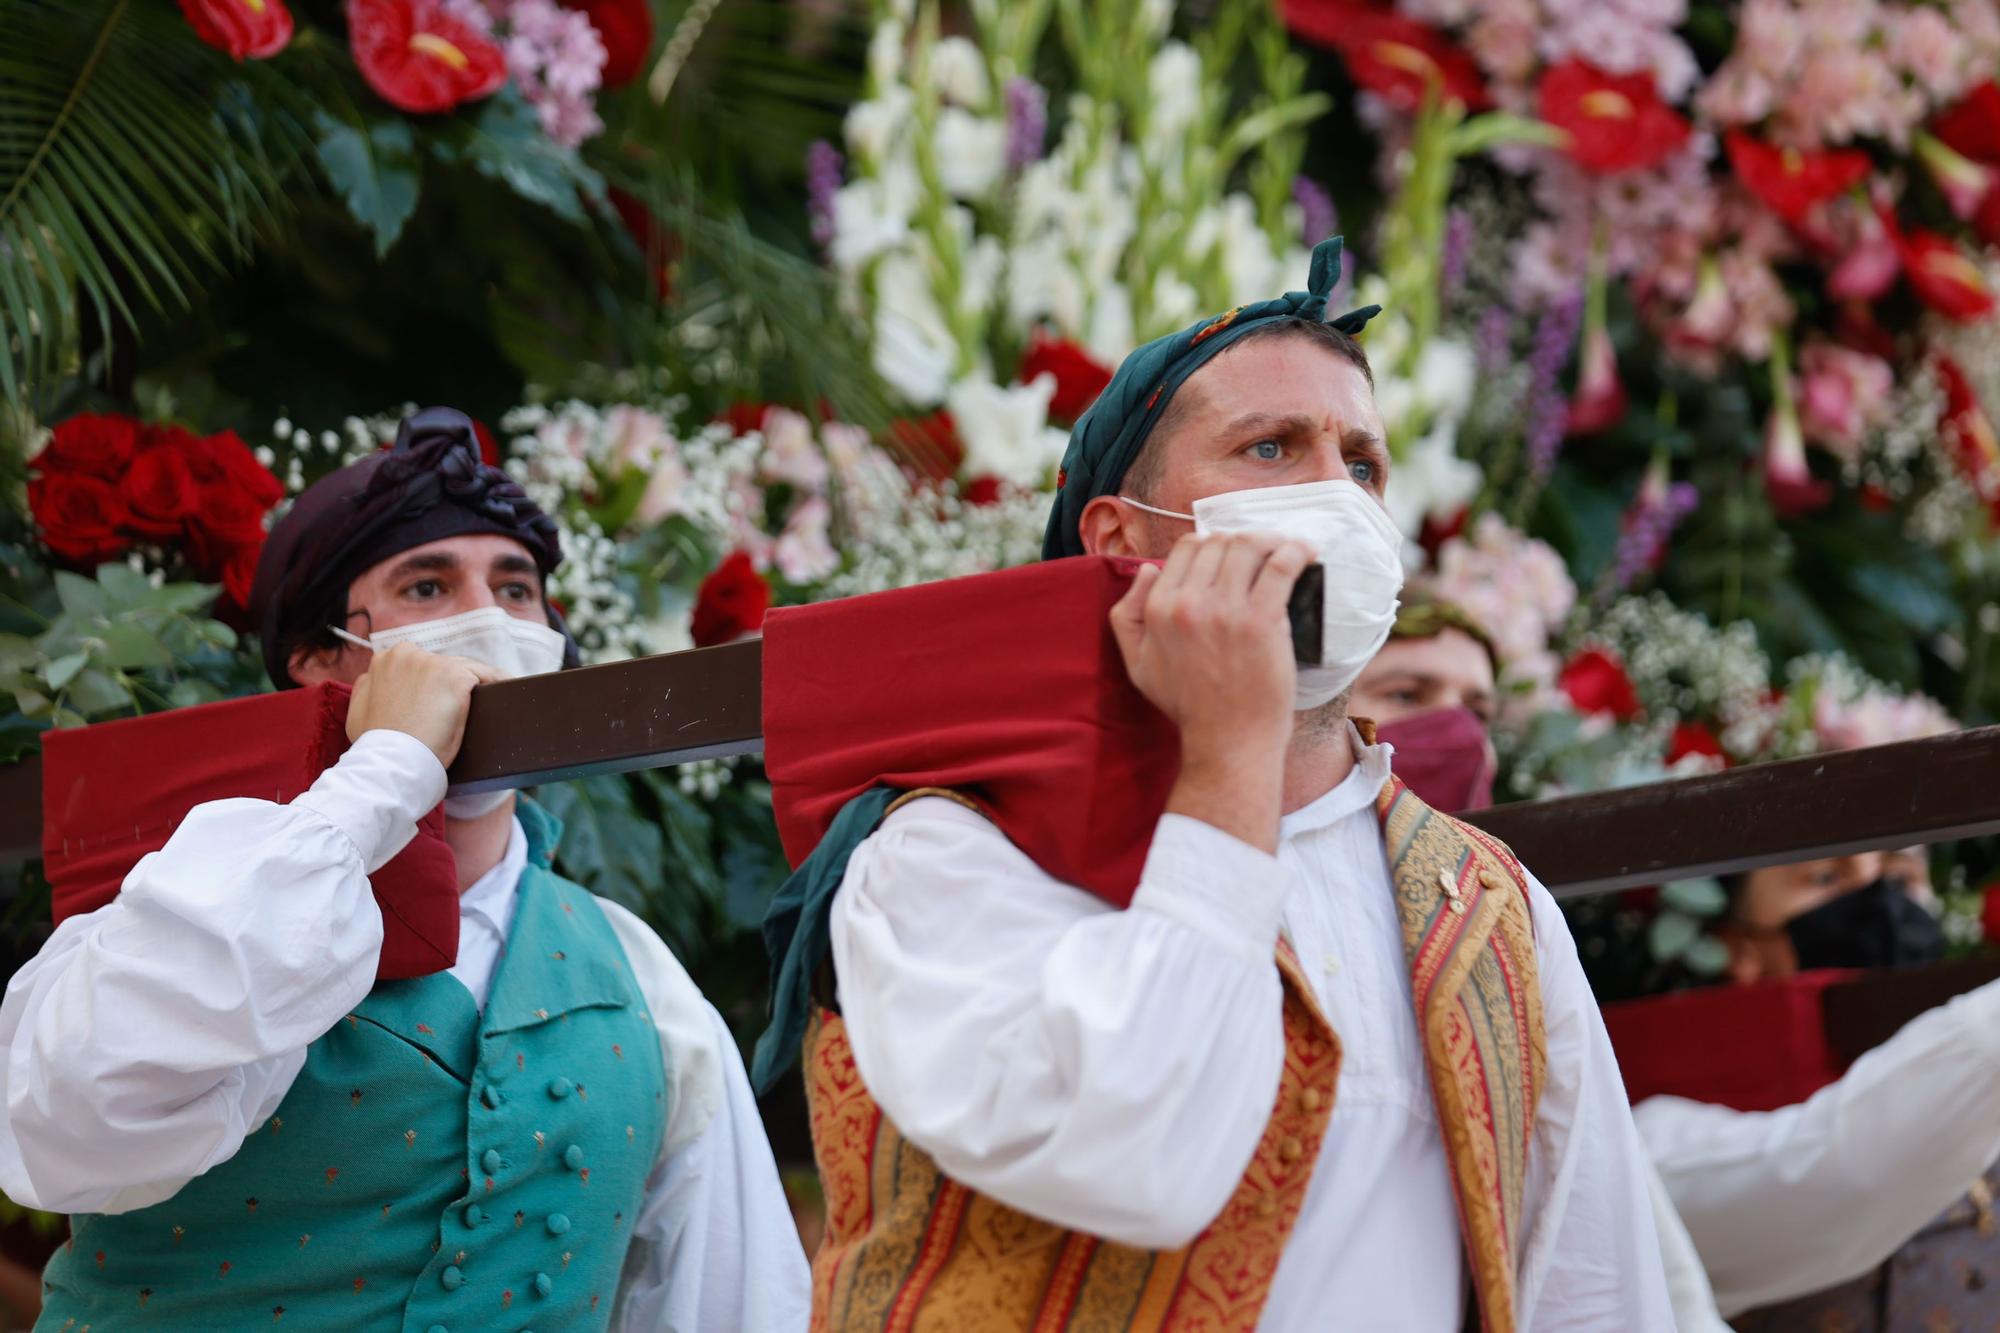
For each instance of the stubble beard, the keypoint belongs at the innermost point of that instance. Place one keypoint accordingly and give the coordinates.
(1314, 726)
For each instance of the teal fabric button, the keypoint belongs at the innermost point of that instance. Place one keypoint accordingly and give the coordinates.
(558, 1224)
(542, 1284)
(437, 1328)
(491, 1161)
(572, 1157)
(474, 1214)
(452, 1278)
(560, 1088)
(497, 1069)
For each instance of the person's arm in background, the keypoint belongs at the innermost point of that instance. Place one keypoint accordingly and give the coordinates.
(1788, 1202)
(1591, 1255)
(147, 1038)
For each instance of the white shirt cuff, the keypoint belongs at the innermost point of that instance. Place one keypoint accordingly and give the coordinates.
(1216, 884)
(381, 787)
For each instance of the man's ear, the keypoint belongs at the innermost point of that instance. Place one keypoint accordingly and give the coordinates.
(1108, 528)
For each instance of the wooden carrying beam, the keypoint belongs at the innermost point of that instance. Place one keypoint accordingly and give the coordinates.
(656, 711)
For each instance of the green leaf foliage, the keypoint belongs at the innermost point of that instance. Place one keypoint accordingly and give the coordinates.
(374, 169)
(127, 177)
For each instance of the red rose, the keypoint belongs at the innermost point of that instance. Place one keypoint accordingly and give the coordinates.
(91, 444)
(1079, 376)
(1989, 911)
(928, 444)
(77, 516)
(419, 57)
(743, 418)
(1693, 738)
(1614, 122)
(1396, 58)
(982, 491)
(626, 28)
(223, 459)
(1596, 682)
(1791, 183)
(731, 603)
(239, 572)
(254, 28)
(160, 490)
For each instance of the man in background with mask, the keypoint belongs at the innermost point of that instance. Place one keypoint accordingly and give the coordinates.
(1218, 1108)
(1761, 1207)
(556, 1133)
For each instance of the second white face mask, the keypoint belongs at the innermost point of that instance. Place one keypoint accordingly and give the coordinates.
(1354, 538)
(510, 645)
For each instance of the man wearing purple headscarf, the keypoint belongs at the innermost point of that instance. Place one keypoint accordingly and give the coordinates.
(557, 1132)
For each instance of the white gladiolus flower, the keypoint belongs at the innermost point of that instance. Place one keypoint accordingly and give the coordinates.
(914, 347)
(873, 128)
(958, 72)
(864, 225)
(1006, 430)
(1110, 334)
(1447, 371)
(885, 52)
(1430, 478)
(1174, 80)
(971, 152)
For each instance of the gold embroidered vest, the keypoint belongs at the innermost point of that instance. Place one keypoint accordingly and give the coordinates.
(909, 1250)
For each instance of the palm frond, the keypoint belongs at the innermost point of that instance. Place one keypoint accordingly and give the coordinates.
(133, 163)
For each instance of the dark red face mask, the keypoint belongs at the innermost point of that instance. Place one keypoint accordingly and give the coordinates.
(1442, 755)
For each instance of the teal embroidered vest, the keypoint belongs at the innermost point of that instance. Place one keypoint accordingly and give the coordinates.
(431, 1169)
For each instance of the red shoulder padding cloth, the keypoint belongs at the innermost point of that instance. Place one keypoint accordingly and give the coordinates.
(115, 791)
(1754, 1048)
(1006, 687)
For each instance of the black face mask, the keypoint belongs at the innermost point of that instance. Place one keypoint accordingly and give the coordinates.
(1876, 925)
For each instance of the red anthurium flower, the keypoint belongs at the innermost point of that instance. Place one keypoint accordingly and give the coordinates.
(626, 29)
(1600, 396)
(1614, 122)
(1789, 182)
(1989, 911)
(1693, 738)
(1972, 126)
(420, 57)
(1596, 683)
(256, 29)
(731, 602)
(984, 490)
(1079, 376)
(1396, 58)
(1948, 281)
(489, 447)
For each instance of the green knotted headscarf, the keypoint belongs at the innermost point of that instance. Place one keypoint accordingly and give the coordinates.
(1109, 436)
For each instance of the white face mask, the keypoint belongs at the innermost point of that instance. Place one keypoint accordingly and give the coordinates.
(510, 645)
(1360, 547)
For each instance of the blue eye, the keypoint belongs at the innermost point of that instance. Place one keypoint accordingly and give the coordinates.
(1267, 450)
(1361, 470)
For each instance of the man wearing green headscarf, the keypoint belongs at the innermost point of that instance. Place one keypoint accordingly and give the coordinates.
(1336, 1066)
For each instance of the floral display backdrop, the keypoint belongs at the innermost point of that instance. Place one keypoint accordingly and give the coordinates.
(1688, 356)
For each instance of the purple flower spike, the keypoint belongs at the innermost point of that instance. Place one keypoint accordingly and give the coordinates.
(1547, 407)
(1645, 537)
(823, 181)
(1027, 122)
(1494, 340)
(1318, 217)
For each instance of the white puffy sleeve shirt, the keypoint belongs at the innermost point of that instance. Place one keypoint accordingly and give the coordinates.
(1784, 1203)
(1113, 1071)
(148, 1038)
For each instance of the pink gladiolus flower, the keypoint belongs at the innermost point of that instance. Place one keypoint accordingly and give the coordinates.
(1869, 267)
(1842, 394)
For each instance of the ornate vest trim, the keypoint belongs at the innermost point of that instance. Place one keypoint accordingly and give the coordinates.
(909, 1250)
